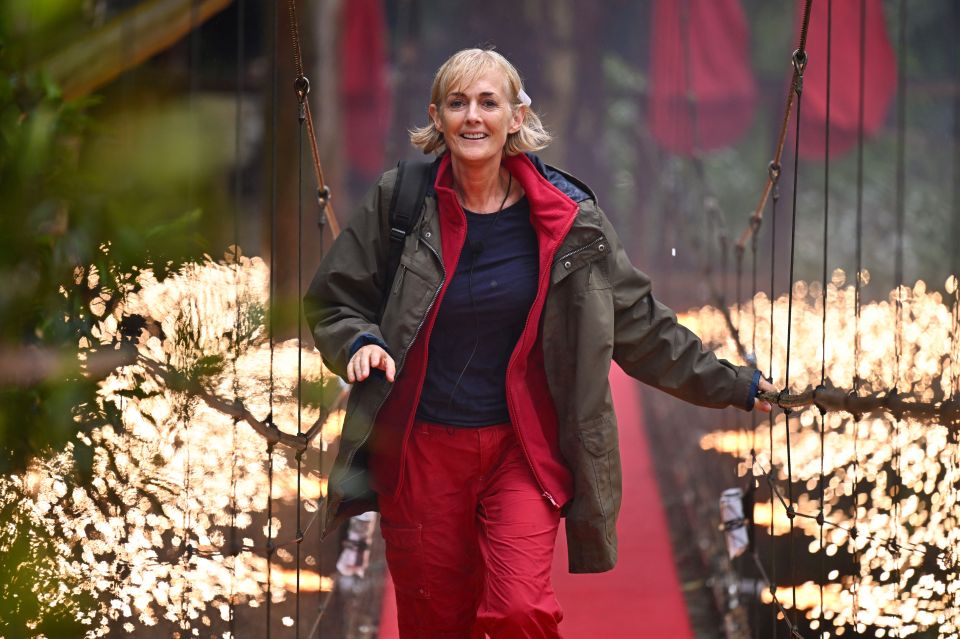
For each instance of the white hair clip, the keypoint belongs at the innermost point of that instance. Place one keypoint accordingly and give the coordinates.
(524, 98)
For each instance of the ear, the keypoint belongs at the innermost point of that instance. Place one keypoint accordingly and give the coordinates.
(516, 119)
(435, 116)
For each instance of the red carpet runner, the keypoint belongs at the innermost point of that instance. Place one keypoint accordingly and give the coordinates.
(640, 598)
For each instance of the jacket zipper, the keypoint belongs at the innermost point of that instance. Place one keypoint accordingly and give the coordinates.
(416, 333)
(577, 250)
(546, 495)
(516, 428)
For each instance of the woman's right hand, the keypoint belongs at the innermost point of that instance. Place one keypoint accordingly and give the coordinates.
(368, 357)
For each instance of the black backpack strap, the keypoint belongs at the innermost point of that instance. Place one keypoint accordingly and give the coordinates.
(413, 181)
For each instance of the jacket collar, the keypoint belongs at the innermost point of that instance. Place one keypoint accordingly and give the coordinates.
(553, 195)
(566, 183)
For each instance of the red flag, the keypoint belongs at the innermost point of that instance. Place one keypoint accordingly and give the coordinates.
(364, 89)
(703, 93)
(880, 76)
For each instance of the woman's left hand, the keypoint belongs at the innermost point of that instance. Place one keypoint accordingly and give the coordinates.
(765, 387)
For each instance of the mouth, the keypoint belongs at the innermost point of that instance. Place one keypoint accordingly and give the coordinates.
(473, 136)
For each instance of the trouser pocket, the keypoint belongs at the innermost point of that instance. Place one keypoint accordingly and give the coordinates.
(404, 550)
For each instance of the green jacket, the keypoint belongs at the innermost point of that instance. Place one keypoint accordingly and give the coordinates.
(598, 309)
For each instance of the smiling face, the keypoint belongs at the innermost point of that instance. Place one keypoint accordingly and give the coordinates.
(476, 119)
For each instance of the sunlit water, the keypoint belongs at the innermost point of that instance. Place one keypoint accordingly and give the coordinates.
(173, 472)
(896, 594)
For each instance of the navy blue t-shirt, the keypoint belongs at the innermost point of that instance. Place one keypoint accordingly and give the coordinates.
(480, 320)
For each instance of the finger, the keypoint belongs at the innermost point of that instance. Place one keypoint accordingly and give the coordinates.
(350, 376)
(764, 407)
(375, 359)
(390, 368)
(363, 369)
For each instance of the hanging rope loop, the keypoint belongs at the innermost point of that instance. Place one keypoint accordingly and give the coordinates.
(301, 84)
(951, 418)
(302, 87)
(816, 401)
(857, 415)
(773, 169)
(799, 61)
(783, 402)
(323, 198)
(894, 403)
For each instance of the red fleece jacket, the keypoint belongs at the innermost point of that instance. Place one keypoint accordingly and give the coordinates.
(528, 397)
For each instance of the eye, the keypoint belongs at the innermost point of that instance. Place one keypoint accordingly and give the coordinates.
(455, 103)
(490, 103)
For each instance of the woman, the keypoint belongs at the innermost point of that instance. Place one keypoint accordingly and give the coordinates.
(489, 414)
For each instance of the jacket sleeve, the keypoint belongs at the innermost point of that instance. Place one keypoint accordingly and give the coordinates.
(650, 345)
(344, 299)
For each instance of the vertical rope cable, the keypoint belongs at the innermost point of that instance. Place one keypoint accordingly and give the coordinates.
(858, 279)
(898, 277)
(955, 265)
(322, 203)
(237, 200)
(755, 607)
(274, 123)
(775, 198)
(187, 519)
(301, 118)
(800, 61)
(955, 272)
(823, 331)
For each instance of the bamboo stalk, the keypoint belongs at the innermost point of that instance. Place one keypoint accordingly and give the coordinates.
(127, 40)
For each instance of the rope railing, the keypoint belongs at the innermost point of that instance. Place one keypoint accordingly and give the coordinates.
(301, 85)
(236, 409)
(896, 404)
(853, 532)
(914, 404)
(798, 61)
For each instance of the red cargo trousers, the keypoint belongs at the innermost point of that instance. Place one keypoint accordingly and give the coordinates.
(470, 539)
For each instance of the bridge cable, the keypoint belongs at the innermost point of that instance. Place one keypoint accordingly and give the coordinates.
(799, 63)
(274, 125)
(233, 550)
(302, 90)
(898, 276)
(823, 328)
(774, 200)
(858, 282)
(193, 55)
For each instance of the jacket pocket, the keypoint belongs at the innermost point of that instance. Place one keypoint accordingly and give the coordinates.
(411, 292)
(404, 550)
(601, 464)
(570, 263)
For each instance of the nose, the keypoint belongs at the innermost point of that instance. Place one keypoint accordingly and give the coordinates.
(473, 111)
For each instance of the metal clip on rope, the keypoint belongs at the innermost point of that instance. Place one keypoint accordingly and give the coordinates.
(323, 198)
(799, 60)
(302, 86)
(820, 407)
(773, 169)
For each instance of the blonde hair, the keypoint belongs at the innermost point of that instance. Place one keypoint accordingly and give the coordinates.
(460, 70)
